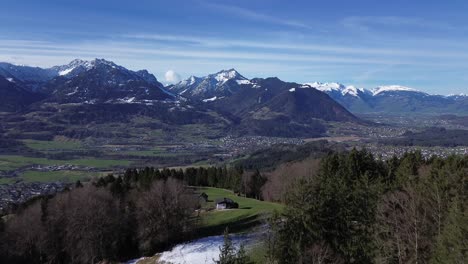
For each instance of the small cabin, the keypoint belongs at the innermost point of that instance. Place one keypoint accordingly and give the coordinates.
(226, 203)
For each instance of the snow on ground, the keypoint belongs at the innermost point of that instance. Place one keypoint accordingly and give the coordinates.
(202, 251)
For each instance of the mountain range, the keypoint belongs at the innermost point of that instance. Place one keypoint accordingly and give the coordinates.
(393, 99)
(258, 106)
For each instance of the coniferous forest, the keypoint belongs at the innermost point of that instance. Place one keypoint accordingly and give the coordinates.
(348, 208)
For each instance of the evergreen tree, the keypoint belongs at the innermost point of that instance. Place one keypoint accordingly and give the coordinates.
(227, 254)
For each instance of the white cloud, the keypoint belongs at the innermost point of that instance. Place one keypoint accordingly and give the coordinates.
(254, 15)
(172, 77)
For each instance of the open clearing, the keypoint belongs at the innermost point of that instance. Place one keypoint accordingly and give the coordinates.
(250, 213)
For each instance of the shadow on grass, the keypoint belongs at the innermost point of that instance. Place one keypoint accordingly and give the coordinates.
(240, 225)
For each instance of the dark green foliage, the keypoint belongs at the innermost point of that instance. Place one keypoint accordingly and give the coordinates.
(338, 209)
(362, 210)
(228, 253)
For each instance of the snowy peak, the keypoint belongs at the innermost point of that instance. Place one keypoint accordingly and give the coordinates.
(192, 80)
(392, 88)
(226, 75)
(78, 66)
(220, 84)
(336, 88)
(105, 68)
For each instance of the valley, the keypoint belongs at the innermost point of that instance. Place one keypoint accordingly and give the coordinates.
(97, 128)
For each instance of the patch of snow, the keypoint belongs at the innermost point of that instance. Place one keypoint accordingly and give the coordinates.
(192, 80)
(211, 99)
(202, 251)
(74, 92)
(10, 80)
(224, 76)
(93, 101)
(292, 90)
(243, 82)
(129, 100)
(326, 87)
(457, 95)
(66, 71)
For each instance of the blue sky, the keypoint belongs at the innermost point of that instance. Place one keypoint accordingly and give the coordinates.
(420, 44)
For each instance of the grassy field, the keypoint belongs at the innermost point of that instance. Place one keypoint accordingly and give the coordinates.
(7, 180)
(52, 145)
(52, 176)
(250, 213)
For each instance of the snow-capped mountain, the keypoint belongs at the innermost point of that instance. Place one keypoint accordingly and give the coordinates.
(217, 85)
(337, 88)
(390, 99)
(393, 88)
(74, 68)
(100, 80)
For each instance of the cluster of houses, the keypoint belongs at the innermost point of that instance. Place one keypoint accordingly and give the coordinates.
(18, 193)
(387, 152)
(239, 145)
(62, 167)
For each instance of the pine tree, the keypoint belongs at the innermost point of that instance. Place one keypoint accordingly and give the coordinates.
(227, 254)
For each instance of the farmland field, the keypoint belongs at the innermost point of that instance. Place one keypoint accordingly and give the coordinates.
(52, 176)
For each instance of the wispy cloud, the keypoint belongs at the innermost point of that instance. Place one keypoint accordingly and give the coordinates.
(368, 23)
(257, 16)
(124, 49)
(207, 42)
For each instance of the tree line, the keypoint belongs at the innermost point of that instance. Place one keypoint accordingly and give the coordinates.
(95, 222)
(116, 218)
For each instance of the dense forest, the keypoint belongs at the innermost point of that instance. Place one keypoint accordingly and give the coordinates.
(361, 210)
(346, 207)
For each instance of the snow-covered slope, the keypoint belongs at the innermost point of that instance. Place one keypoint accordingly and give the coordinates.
(393, 88)
(100, 80)
(336, 88)
(389, 98)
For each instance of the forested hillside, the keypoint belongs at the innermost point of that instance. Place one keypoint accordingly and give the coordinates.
(346, 207)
